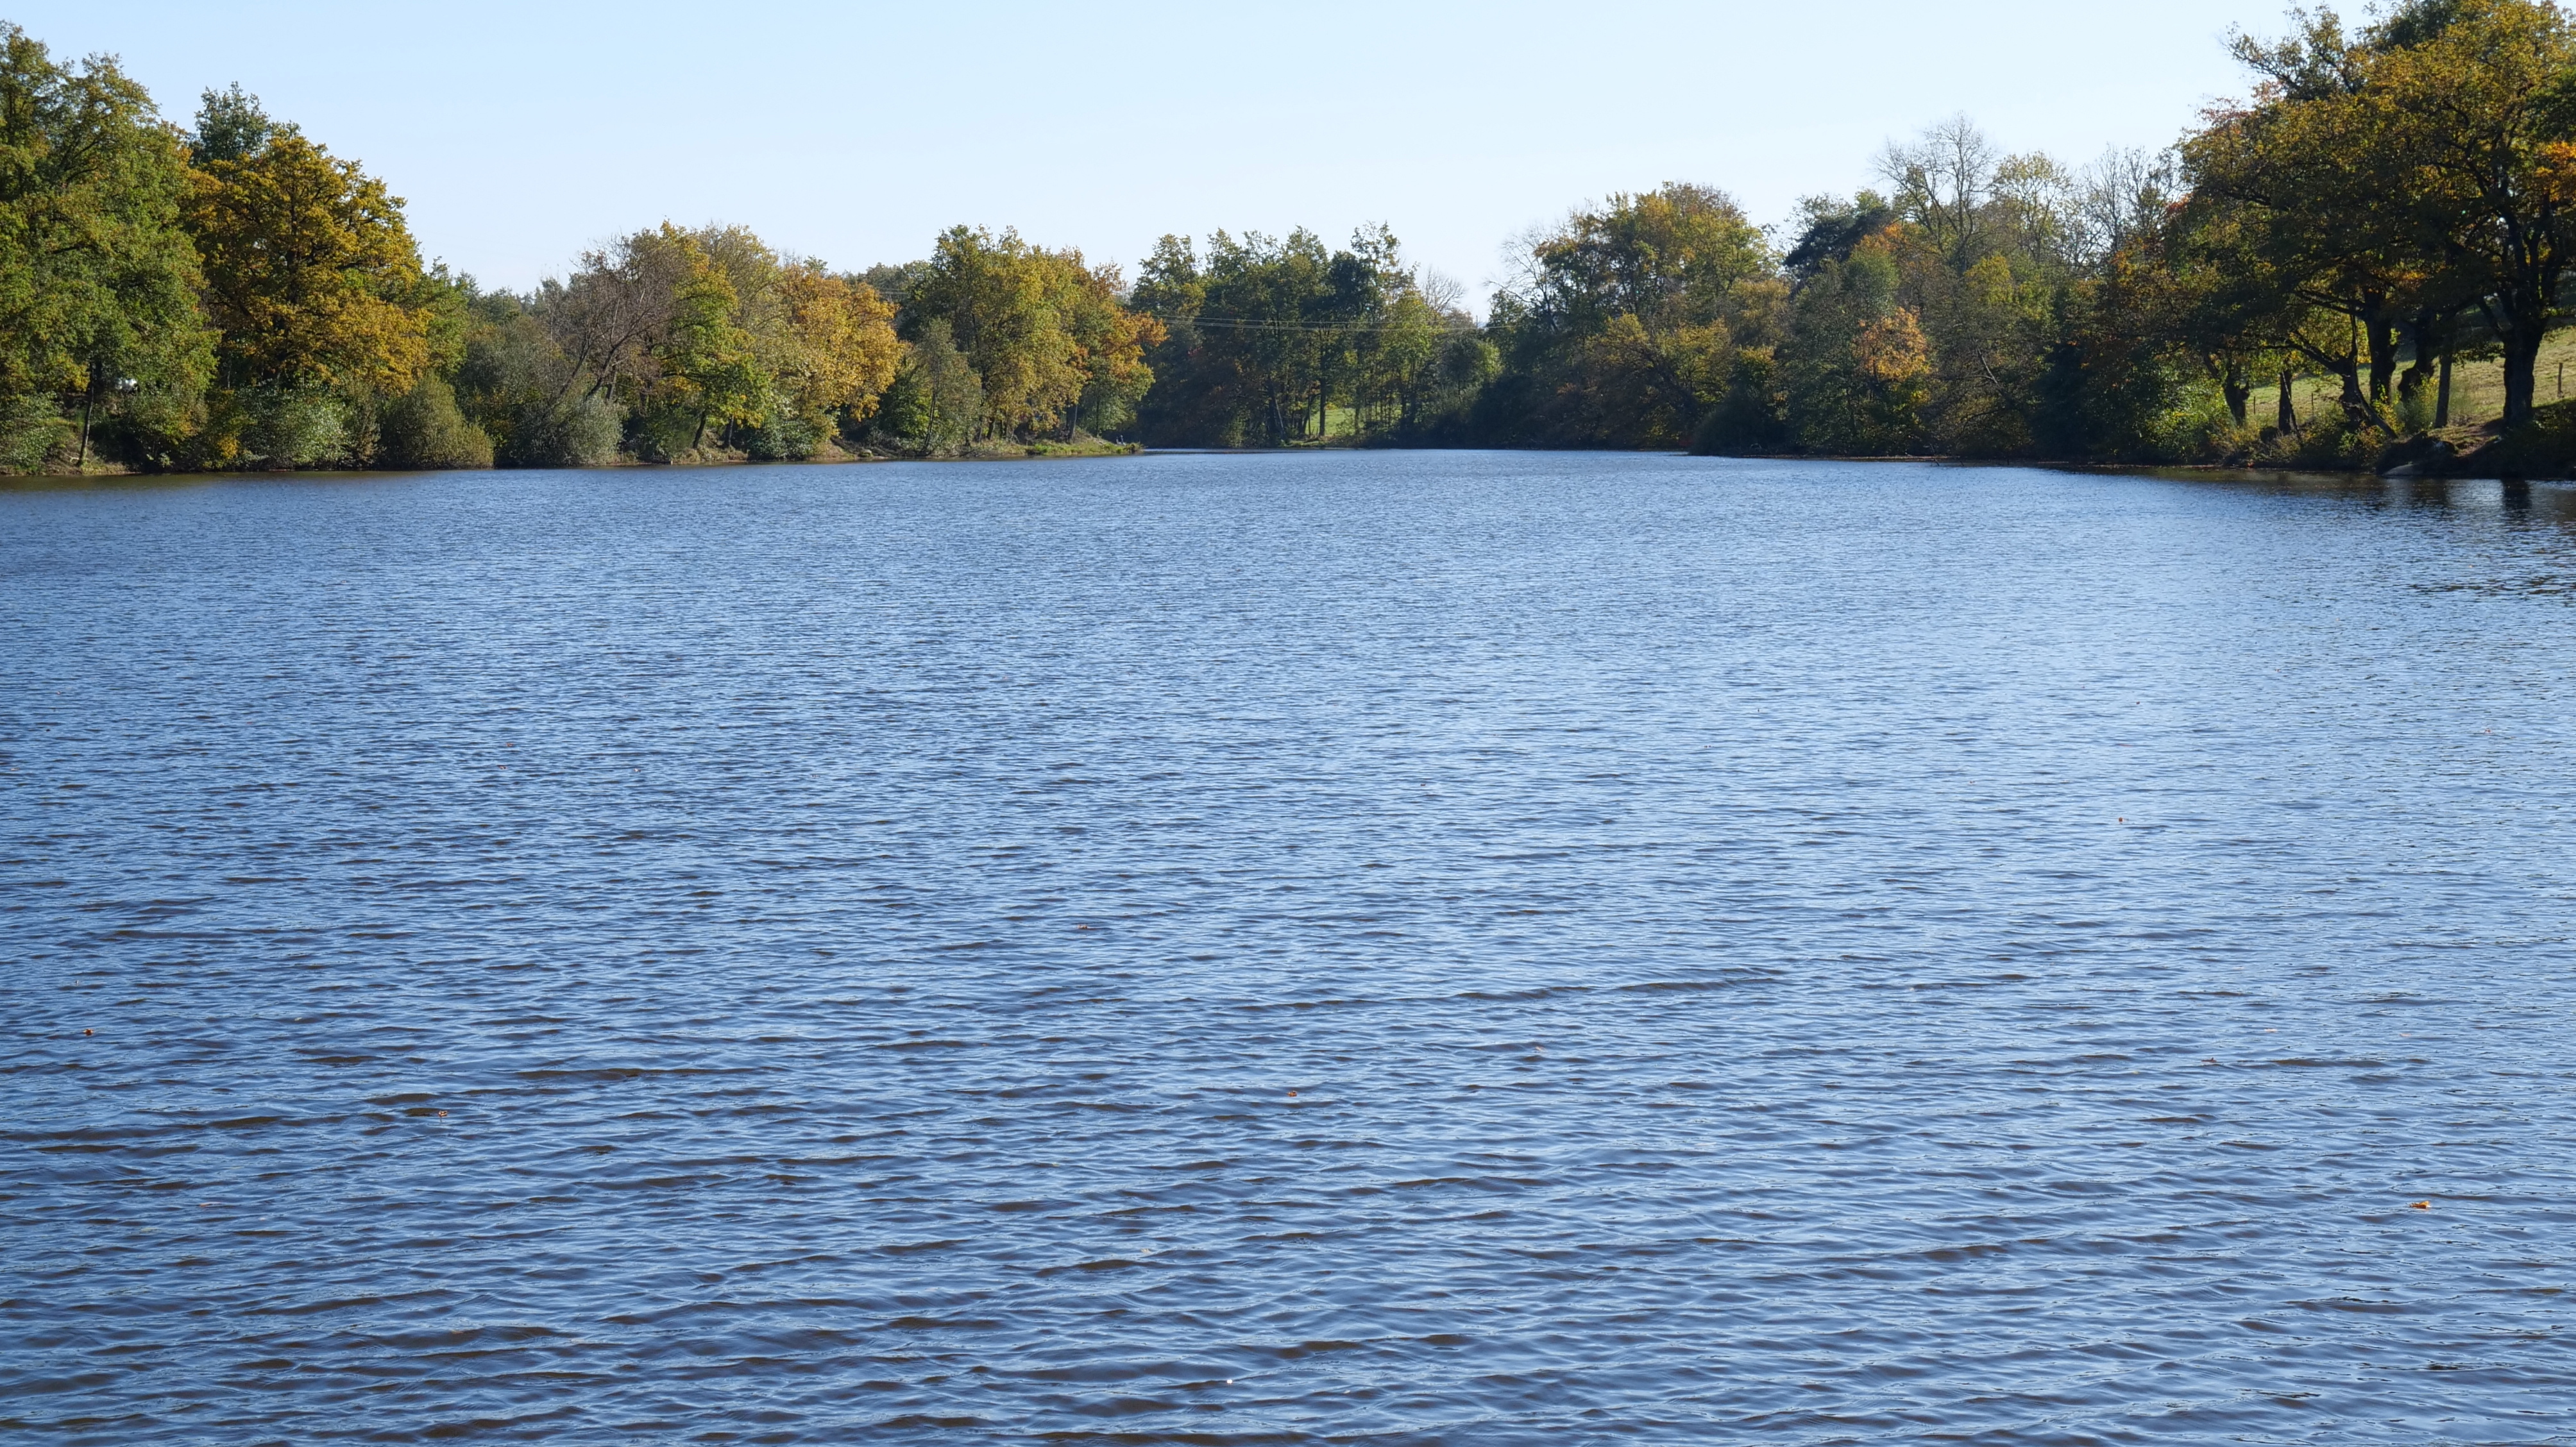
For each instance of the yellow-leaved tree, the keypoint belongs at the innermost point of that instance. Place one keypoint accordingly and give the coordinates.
(311, 274)
(316, 291)
(838, 347)
(1043, 329)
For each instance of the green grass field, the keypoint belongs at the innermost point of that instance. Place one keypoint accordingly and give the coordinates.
(2477, 388)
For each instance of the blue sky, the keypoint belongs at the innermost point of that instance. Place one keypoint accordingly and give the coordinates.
(522, 133)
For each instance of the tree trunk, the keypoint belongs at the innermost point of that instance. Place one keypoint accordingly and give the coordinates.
(2383, 349)
(2420, 370)
(2232, 384)
(2346, 366)
(2442, 391)
(2289, 418)
(2352, 399)
(2521, 371)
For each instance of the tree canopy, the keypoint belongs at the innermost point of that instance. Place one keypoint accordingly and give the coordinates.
(98, 278)
(2389, 200)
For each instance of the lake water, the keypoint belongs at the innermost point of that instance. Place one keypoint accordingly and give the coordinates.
(1358, 948)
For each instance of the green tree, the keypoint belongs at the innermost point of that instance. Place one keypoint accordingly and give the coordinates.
(1270, 335)
(97, 277)
(936, 402)
(709, 366)
(1855, 366)
(1628, 319)
(2317, 207)
(996, 297)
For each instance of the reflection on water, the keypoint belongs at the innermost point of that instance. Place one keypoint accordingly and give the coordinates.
(1370, 947)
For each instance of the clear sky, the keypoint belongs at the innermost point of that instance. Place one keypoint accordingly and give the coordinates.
(521, 133)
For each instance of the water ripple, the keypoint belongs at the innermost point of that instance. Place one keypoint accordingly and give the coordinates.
(1355, 948)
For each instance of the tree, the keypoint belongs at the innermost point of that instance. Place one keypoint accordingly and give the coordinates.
(1633, 314)
(1856, 365)
(708, 366)
(612, 317)
(702, 336)
(839, 349)
(1942, 183)
(2476, 99)
(311, 273)
(2322, 204)
(1003, 307)
(231, 126)
(97, 278)
(1273, 333)
(936, 401)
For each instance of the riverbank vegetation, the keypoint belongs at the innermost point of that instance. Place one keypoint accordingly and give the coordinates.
(2360, 263)
(233, 295)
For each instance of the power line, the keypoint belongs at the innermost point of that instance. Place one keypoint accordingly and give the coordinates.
(1247, 324)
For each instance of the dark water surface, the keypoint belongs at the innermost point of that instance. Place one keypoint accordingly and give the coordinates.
(1362, 948)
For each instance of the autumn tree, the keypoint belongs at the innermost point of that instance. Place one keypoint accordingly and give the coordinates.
(311, 273)
(686, 339)
(1044, 331)
(2475, 103)
(1855, 366)
(835, 348)
(996, 295)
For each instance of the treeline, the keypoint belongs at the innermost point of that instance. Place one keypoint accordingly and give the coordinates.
(233, 295)
(1266, 340)
(2385, 205)
(2390, 201)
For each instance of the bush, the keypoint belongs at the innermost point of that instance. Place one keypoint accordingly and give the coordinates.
(581, 431)
(784, 437)
(422, 429)
(294, 427)
(32, 432)
(665, 432)
(2415, 409)
(2195, 427)
(2329, 441)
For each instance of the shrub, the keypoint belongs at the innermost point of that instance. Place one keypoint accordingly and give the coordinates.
(32, 432)
(294, 427)
(580, 431)
(422, 429)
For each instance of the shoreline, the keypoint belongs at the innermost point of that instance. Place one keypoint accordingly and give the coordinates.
(1056, 452)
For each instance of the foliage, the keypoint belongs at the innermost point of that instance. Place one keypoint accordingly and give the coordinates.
(311, 274)
(1268, 336)
(1044, 330)
(2388, 199)
(423, 429)
(936, 402)
(97, 279)
(1628, 319)
(685, 340)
